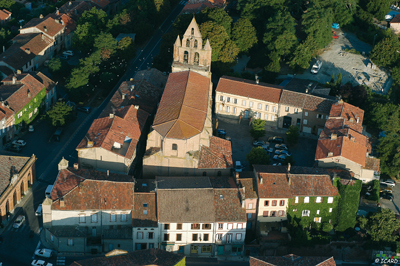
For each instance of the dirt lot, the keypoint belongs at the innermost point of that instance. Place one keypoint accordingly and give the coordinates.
(355, 68)
(303, 152)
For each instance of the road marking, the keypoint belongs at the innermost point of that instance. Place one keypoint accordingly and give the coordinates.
(37, 247)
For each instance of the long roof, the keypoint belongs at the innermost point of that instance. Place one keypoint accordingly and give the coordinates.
(183, 107)
(218, 155)
(227, 206)
(10, 165)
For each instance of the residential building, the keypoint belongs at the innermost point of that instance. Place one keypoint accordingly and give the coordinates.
(89, 211)
(292, 260)
(5, 16)
(111, 7)
(248, 186)
(145, 225)
(196, 6)
(17, 174)
(240, 98)
(25, 94)
(113, 141)
(342, 143)
(395, 24)
(7, 120)
(136, 258)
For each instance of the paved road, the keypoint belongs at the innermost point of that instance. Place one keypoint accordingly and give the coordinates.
(18, 247)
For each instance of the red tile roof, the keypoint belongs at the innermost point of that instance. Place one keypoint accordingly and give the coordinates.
(42, 78)
(218, 155)
(228, 207)
(10, 165)
(92, 190)
(125, 128)
(4, 14)
(69, 23)
(396, 19)
(144, 202)
(249, 88)
(312, 185)
(373, 164)
(292, 98)
(5, 112)
(250, 187)
(273, 185)
(349, 113)
(292, 260)
(75, 9)
(46, 25)
(183, 107)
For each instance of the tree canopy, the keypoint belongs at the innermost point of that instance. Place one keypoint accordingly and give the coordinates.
(386, 52)
(258, 155)
(292, 135)
(257, 128)
(381, 226)
(244, 34)
(60, 114)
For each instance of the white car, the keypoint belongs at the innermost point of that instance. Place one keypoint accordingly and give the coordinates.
(68, 53)
(31, 129)
(40, 263)
(19, 221)
(316, 67)
(44, 252)
(19, 142)
(388, 182)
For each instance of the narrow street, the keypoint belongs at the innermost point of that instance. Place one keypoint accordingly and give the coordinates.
(17, 247)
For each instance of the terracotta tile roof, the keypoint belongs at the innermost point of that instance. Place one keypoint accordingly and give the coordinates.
(145, 185)
(101, 3)
(152, 76)
(292, 260)
(5, 112)
(144, 202)
(217, 156)
(311, 185)
(75, 9)
(292, 98)
(22, 92)
(183, 182)
(68, 231)
(270, 169)
(373, 164)
(185, 205)
(46, 25)
(274, 185)
(249, 88)
(92, 190)
(125, 128)
(222, 182)
(4, 14)
(42, 78)
(317, 104)
(250, 187)
(136, 258)
(136, 92)
(183, 107)
(350, 113)
(396, 19)
(227, 206)
(69, 23)
(10, 165)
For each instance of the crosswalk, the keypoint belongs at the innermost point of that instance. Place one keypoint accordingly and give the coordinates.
(60, 261)
(182, 2)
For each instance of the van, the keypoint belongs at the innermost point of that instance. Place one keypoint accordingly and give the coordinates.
(48, 190)
(39, 210)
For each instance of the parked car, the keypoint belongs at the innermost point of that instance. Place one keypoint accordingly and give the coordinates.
(31, 129)
(221, 133)
(279, 157)
(334, 35)
(238, 167)
(278, 152)
(40, 263)
(39, 210)
(14, 148)
(19, 142)
(19, 221)
(388, 182)
(44, 252)
(386, 196)
(68, 53)
(269, 149)
(265, 146)
(85, 109)
(286, 152)
(258, 143)
(63, 56)
(316, 67)
(385, 189)
(275, 139)
(283, 147)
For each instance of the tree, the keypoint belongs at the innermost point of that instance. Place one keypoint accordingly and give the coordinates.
(59, 68)
(60, 114)
(292, 135)
(257, 129)
(274, 65)
(83, 37)
(257, 155)
(105, 43)
(95, 17)
(228, 52)
(396, 74)
(244, 34)
(348, 204)
(126, 48)
(385, 53)
(219, 16)
(217, 36)
(304, 53)
(381, 226)
(379, 8)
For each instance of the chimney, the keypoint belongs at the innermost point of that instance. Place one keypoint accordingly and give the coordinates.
(58, 12)
(333, 136)
(76, 166)
(288, 167)
(237, 177)
(257, 81)
(307, 90)
(132, 87)
(261, 180)
(123, 96)
(341, 101)
(108, 172)
(62, 202)
(358, 120)
(131, 79)
(136, 107)
(70, 3)
(90, 144)
(62, 22)
(18, 71)
(45, 28)
(63, 164)
(351, 120)
(29, 94)
(111, 115)
(27, 50)
(330, 154)
(56, 20)
(14, 79)
(41, 16)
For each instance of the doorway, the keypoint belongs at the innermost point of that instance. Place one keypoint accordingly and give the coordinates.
(287, 121)
(246, 114)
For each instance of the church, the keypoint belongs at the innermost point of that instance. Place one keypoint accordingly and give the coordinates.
(181, 141)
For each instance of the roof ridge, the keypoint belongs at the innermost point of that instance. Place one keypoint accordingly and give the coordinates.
(244, 80)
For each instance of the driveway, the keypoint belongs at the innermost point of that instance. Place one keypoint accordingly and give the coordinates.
(395, 204)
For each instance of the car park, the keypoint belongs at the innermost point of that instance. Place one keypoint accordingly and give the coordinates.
(278, 152)
(388, 182)
(387, 196)
(19, 142)
(40, 263)
(275, 139)
(258, 143)
(85, 109)
(281, 146)
(44, 252)
(265, 146)
(269, 149)
(19, 221)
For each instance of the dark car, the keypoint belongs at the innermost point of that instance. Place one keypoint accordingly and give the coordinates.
(221, 133)
(386, 196)
(84, 109)
(14, 148)
(275, 139)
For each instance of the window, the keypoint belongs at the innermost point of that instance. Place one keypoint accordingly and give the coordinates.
(296, 200)
(174, 147)
(205, 237)
(51, 238)
(195, 226)
(305, 113)
(123, 217)
(239, 226)
(249, 215)
(305, 213)
(206, 249)
(251, 104)
(258, 115)
(166, 237)
(94, 218)
(287, 109)
(317, 219)
(305, 121)
(70, 242)
(194, 237)
(221, 98)
(30, 115)
(317, 211)
(220, 226)
(259, 106)
(20, 114)
(306, 199)
(185, 57)
(178, 237)
(318, 200)
(330, 199)
(244, 102)
(195, 43)
(219, 237)
(296, 110)
(265, 213)
(228, 100)
(166, 226)
(250, 206)
(266, 203)
(220, 107)
(82, 218)
(273, 213)
(192, 31)
(150, 235)
(179, 227)
(230, 226)
(235, 101)
(281, 203)
(330, 209)
(281, 213)
(234, 110)
(266, 108)
(274, 203)
(145, 205)
(227, 109)
(145, 212)
(238, 236)
(266, 116)
(140, 235)
(187, 43)
(272, 118)
(274, 109)
(35, 110)
(206, 226)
